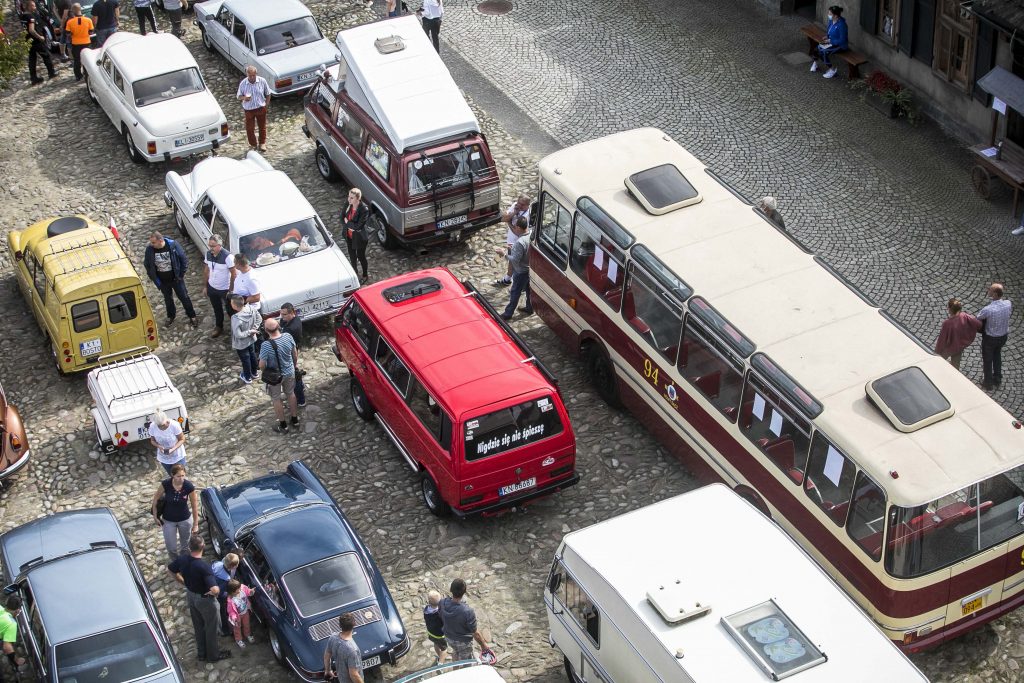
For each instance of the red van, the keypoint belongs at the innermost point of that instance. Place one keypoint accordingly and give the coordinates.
(466, 402)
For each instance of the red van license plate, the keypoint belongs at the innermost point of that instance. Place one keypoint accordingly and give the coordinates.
(512, 488)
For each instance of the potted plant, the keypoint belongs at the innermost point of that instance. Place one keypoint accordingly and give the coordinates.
(885, 94)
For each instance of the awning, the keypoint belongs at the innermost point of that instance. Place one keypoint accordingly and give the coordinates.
(1004, 85)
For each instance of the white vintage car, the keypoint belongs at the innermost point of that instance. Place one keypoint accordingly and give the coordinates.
(260, 213)
(152, 90)
(279, 37)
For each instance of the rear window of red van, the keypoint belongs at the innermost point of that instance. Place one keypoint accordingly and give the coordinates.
(511, 427)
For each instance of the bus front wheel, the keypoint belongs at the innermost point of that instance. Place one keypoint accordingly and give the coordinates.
(601, 374)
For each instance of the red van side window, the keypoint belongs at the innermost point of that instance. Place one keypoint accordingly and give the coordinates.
(393, 367)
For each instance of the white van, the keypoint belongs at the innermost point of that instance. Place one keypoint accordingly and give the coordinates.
(704, 588)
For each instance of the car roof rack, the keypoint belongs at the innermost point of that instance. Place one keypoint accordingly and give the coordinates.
(121, 389)
(80, 259)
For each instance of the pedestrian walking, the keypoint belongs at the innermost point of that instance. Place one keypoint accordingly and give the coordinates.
(254, 94)
(106, 14)
(459, 620)
(166, 264)
(520, 208)
(245, 283)
(168, 438)
(957, 333)
(996, 320)
(219, 276)
(201, 592)
(34, 33)
(144, 11)
(224, 571)
(431, 14)
(518, 255)
(80, 29)
(279, 353)
(238, 612)
(836, 40)
(245, 324)
(769, 208)
(354, 216)
(9, 630)
(291, 323)
(179, 516)
(342, 661)
(174, 9)
(435, 627)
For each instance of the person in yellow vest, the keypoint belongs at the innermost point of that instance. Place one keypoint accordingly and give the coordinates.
(80, 29)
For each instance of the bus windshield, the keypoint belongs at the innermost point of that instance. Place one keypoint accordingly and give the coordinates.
(512, 427)
(924, 538)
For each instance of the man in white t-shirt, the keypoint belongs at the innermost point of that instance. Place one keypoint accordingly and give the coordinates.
(245, 283)
(219, 276)
(519, 208)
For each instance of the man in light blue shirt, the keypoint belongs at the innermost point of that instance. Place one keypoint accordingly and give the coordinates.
(254, 94)
(996, 317)
(279, 352)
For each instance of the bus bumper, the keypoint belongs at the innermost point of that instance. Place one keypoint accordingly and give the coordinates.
(962, 626)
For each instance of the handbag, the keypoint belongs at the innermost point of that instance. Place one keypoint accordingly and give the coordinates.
(272, 375)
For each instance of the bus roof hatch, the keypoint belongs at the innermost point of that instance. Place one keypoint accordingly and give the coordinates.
(662, 189)
(909, 399)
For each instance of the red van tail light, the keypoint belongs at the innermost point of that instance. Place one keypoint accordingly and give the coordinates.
(224, 130)
(151, 147)
(282, 82)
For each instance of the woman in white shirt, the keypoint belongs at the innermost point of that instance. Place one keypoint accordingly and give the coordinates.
(166, 436)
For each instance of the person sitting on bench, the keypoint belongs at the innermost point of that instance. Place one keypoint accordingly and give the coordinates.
(836, 40)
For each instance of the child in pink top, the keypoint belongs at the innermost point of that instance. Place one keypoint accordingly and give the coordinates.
(238, 611)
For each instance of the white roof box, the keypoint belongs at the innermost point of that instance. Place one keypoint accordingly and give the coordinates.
(395, 74)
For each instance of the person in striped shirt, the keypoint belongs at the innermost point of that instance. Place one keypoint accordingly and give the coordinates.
(254, 94)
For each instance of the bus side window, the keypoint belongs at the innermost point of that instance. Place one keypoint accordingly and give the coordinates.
(829, 480)
(581, 607)
(867, 516)
(597, 260)
(657, 319)
(775, 428)
(707, 365)
(555, 226)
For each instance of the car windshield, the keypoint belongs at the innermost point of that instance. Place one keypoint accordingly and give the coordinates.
(448, 169)
(284, 243)
(327, 584)
(512, 427)
(122, 654)
(167, 86)
(287, 34)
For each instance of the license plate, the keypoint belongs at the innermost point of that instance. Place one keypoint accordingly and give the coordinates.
(449, 222)
(192, 139)
(90, 348)
(306, 76)
(316, 306)
(512, 488)
(372, 661)
(972, 606)
(143, 433)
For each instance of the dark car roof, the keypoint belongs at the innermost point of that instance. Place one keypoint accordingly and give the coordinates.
(86, 594)
(265, 494)
(57, 535)
(303, 536)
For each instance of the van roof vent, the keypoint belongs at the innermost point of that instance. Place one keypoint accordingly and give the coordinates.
(411, 289)
(388, 44)
(662, 189)
(909, 399)
(674, 605)
(772, 640)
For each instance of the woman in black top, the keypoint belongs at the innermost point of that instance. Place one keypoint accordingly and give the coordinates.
(180, 517)
(353, 224)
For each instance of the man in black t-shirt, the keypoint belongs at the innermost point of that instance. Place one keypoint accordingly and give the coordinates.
(105, 14)
(35, 32)
(201, 591)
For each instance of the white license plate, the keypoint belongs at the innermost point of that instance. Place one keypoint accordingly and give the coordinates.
(190, 140)
(316, 306)
(372, 661)
(306, 76)
(143, 433)
(449, 222)
(90, 348)
(512, 488)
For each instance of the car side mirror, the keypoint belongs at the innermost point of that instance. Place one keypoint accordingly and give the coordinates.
(19, 255)
(10, 589)
(208, 17)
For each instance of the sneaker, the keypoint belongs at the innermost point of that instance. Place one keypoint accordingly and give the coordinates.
(502, 282)
(1018, 231)
(194, 322)
(251, 638)
(216, 332)
(169, 321)
(295, 421)
(241, 376)
(36, 81)
(281, 428)
(506, 317)
(830, 73)
(240, 644)
(528, 311)
(814, 65)
(301, 405)
(263, 148)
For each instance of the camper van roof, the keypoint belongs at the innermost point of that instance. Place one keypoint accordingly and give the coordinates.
(726, 555)
(408, 91)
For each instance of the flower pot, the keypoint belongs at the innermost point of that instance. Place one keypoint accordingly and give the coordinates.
(875, 100)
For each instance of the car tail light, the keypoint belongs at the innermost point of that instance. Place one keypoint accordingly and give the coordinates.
(15, 442)
(66, 345)
(181, 420)
(67, 359)
(223, 130)
(149, 330)
(152, 338)
(151, 147)
(149, 323)
(282, 82)
(67, 352)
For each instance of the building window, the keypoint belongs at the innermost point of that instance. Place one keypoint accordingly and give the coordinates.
(954, 43)
(888, 13)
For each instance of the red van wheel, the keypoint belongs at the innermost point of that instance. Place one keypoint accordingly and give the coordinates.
(432, 497)
(359, 400)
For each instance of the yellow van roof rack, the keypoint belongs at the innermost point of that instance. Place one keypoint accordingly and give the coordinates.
(76, 254)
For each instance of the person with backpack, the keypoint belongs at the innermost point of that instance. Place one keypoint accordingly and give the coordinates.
(278, 358)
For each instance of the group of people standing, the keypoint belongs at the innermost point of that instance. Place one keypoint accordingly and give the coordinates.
(960, 329)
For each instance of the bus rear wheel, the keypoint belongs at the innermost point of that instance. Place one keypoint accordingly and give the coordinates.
(601, 374)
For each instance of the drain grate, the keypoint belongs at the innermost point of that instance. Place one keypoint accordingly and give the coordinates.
(494, 8)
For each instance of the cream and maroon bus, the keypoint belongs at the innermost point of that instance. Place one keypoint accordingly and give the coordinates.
(757, 364)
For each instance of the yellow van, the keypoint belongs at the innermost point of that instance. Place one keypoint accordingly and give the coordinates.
(84, 292)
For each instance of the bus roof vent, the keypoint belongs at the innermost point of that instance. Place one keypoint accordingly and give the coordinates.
(909, 399)
(411, 289)
(662, 189)
(388, 44)
(674, 605)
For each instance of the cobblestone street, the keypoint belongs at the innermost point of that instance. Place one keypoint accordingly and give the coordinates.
(906, 227)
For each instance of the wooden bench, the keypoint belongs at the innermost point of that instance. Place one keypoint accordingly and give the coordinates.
(816, 35)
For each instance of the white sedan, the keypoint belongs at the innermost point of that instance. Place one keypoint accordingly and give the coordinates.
(279, 37)
(151, 89)
(260, 213)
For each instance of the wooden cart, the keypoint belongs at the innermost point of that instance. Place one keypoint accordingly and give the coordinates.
(1003, 159)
